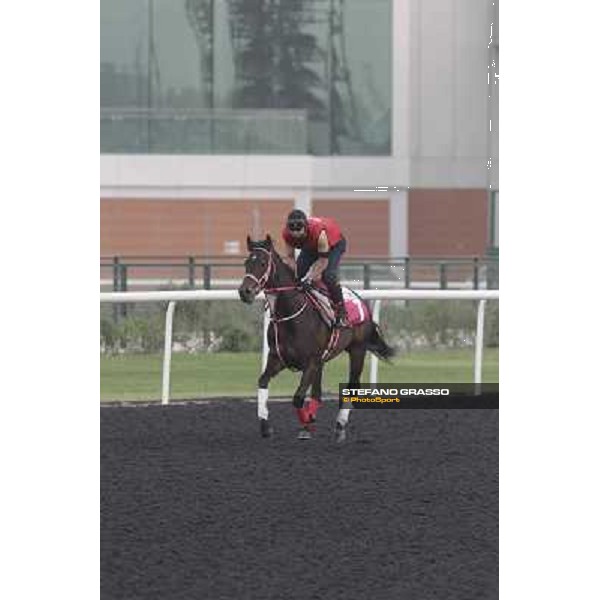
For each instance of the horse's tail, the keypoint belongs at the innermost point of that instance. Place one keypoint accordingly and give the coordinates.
(378, 345)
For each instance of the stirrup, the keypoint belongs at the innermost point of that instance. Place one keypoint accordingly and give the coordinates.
(340, 316)
(341, 322)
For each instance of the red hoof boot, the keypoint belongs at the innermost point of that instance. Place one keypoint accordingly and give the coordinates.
(303, 415)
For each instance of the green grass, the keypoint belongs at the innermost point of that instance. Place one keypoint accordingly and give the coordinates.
(138, 377)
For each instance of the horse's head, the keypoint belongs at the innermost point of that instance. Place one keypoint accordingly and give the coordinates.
(259, 268)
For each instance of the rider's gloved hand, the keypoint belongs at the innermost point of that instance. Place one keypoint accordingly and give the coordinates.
(305, 283)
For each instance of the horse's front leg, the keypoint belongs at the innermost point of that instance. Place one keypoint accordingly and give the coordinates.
(274, 366)
(308, 376)
(314, 402)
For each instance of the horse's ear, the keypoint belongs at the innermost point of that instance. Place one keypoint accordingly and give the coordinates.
(248, 242)
(269, 241)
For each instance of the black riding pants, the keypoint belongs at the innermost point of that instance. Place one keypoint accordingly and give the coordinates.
(330, 275)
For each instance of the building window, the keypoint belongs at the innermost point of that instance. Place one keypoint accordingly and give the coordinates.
(246, 76)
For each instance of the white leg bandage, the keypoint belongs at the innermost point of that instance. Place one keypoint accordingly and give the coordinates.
(263, 396)
(343, 415)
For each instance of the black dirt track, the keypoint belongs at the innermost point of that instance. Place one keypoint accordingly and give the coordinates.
(196, 505)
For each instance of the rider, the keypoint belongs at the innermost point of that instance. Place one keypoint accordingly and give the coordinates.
(321, 245)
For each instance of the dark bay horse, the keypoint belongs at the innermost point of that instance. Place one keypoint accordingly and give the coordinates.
(299, 339)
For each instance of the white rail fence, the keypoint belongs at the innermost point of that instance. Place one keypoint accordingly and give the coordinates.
(172, 297)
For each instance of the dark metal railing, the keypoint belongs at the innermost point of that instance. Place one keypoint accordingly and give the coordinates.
(203, 131)
(199, 271)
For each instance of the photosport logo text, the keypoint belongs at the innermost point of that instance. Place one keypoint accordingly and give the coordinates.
(444, 396)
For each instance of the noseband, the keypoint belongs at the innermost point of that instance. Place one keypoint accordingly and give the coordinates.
(261, 282)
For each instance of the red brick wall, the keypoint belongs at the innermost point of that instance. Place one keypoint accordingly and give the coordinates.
(447, 222)
(440, 223)
(365, 224)
(185, 227)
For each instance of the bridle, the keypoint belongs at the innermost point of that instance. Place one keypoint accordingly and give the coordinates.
(261, 283)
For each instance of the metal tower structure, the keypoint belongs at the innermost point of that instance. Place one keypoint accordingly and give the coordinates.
(340, 82)
(262, 25)
(200, 15)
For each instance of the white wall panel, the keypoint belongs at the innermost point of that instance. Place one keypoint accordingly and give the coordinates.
(471, 77)
(402, 23)
(414, 108)
(437, 78)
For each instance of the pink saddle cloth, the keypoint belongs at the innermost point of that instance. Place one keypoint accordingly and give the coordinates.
(356, 308)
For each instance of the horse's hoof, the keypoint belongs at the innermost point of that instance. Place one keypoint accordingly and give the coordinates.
(266, 429)
(304, 434)
(340, 433)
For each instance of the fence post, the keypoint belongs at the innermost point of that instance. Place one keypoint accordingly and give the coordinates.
(166, 374)
(191, 271)
(476, 273)
(366, 276)
(443, 276)
(492, 274)
(123, 288)
(407, 272)
(116, 275)
(374, 360)
(206, 276)
(479, 344)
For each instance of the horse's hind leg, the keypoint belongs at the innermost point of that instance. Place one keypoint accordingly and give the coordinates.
(357, 354)
(274, 366)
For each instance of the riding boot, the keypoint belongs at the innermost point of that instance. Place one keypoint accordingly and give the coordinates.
(337, 298)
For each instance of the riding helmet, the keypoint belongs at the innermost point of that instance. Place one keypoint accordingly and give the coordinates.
(296, 220)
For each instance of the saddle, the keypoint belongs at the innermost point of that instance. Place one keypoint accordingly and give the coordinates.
(356, 308)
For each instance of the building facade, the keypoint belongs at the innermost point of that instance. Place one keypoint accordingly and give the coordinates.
(219, 116)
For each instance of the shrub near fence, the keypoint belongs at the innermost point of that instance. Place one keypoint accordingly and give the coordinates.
(210, 326)
(437, 324)
(214, 326)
